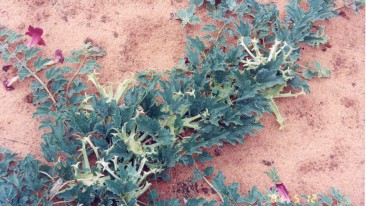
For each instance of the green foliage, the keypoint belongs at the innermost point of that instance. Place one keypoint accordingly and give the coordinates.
(21, 181)
(354, 4)
(317, 71)
(272, 174)
(231, 196)
(198, 3)
(113, 141)
(188, 16)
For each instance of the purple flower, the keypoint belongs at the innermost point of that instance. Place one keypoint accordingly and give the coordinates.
(36, 34)
(283, 193)
(6, 68)
(58, 58)
(8, 83)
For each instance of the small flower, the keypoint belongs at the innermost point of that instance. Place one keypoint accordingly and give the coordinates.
(6, 67)
(58, 58)
(36, 34)
(280, 187)
(8, 83)
(283, 193)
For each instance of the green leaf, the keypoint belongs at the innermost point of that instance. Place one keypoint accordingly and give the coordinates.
(36, 86)
(219, 182)
(54, 72)
(268, 78)
(323, 72)
(153, 196)
(119, 188)
(20, 48)
(231, 4)
(243, 29)
(46, 124)
(341, 199)
(31, 53)
(198, 3)
(13, 37)
(188, 16)
(197, 175)
(187, 160)
(208, 171)
(316, 38)
(77, 86)
(58, 85)
(43, 109)
(204, 157)
(209, 28)
(193, 57)
(308, 74)
(318, 70)
(297, 83)
(196, 202)
(40, 96)
(23, 73)
(196, 44)
(40, 63)
(89, 67)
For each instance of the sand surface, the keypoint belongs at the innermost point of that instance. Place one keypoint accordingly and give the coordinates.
(322, 145)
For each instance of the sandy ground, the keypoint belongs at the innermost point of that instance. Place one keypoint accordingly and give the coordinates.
(322, 145)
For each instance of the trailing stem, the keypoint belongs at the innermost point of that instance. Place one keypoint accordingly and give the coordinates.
(208, 182)
(75, 74)
(33, 75)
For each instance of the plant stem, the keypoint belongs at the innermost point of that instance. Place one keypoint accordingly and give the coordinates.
(86, 165)
(49, 176)
(95, 149)
(21, 142)
(289, 94)
(277, 113)
(142, 203)
(143, 190)
(305, 67)
(142, 138)
(188, 122)
(43, 85)
(62, 202)
(247, 49)
(33, 75)
(220, 31)
(142, 164)
(76, 73)
(208, 182)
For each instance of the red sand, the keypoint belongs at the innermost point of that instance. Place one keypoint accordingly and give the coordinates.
(322, 145)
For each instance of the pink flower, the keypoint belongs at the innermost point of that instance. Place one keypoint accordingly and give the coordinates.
(36, 34)
(8, 83)
(6, 68)
(58, 58)
(283, 193)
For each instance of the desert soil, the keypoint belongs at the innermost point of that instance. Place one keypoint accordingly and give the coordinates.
(322, 145)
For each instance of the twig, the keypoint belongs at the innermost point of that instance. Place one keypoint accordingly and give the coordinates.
(21, 142)
(49, 176)
(220, 31)
(33, 75)
(142, 203)
(305, 67)
(65, 201)
(76, 73)
(208, 182)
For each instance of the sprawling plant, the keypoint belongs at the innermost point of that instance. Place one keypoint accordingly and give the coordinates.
(103, 148)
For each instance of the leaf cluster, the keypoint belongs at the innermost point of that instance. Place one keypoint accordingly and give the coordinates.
(105, 147)
(231, 196)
